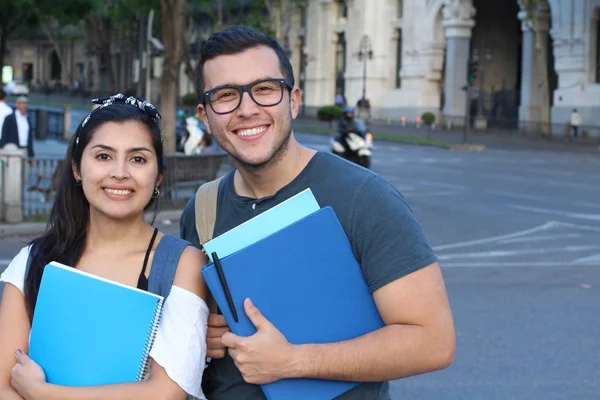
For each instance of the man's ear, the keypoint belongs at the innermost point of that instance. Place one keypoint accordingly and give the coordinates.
(295, 101)
(204, 117)
(76, 174)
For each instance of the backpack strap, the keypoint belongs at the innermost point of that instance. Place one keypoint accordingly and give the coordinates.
(206, 209)
(164, 264)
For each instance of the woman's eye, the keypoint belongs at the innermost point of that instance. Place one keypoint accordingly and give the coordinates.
(102, 156)
(138, 159)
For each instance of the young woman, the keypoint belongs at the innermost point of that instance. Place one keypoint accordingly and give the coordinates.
(97, 225)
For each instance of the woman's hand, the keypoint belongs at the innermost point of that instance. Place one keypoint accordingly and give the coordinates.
(27, 377)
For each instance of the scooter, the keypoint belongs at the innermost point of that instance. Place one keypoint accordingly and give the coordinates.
(356, 147)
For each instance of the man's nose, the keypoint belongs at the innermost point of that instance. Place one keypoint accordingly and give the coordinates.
(248, 107)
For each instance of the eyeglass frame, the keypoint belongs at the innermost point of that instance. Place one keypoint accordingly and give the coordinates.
(245, 89)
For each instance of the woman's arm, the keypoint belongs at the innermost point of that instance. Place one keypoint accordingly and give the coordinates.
(159, 385)
(14, 334)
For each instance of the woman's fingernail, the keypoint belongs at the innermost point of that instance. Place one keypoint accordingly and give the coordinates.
(18, 353)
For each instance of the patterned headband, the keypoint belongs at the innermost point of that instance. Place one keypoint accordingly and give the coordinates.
(143, 105)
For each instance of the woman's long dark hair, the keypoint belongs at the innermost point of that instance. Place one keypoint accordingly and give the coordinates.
(65, 237)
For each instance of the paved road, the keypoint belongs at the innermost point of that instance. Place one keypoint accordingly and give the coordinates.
(518, 236)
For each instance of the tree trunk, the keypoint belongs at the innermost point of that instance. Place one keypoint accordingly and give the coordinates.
(543, 61)
(3, 40)
(51, 37)
(173, 26)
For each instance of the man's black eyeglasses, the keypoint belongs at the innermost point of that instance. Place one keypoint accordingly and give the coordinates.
(264, 92)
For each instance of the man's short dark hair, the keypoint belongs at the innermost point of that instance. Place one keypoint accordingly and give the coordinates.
(2, 94)
(237, 39)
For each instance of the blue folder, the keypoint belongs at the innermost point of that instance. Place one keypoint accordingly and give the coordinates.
(88, 331)
(305, 280)
(264, 224)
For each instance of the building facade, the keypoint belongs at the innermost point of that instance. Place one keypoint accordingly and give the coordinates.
(411, 56)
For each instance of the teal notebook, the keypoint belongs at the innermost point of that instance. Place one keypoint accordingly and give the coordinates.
(88, 330)
(263, 225)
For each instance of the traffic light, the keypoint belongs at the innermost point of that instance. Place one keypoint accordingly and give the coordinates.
(472, 71)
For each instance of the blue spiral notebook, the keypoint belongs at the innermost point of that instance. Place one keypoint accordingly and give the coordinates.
(305, 279)
(88, 330)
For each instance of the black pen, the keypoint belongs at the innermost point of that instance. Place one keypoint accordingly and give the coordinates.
(225, 286)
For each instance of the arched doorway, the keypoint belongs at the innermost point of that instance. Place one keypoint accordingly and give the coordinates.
(496, 50)
(55, 67)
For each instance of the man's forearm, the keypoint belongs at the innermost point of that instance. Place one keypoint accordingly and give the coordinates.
(393, 352)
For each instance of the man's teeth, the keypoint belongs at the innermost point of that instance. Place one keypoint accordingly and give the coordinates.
(118, 192)
(251, 132)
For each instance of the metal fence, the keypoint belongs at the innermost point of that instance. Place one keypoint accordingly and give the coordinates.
(39, 186)
(183, 176)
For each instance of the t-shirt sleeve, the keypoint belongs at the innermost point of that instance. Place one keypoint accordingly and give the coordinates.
(180, 343)
(15, 272)
(388, 239)
(187, 223)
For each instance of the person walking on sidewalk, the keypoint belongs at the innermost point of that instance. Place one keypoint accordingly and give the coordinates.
(575, 122)
(248, 99)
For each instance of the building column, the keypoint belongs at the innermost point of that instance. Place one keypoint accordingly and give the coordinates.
(458, 23)
(532, 92)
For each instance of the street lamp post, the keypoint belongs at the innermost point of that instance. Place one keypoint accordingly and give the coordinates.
(365, 53)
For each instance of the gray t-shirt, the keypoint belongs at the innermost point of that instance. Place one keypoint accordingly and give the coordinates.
(385, 235)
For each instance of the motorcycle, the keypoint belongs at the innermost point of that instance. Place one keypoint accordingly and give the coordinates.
(355, 146)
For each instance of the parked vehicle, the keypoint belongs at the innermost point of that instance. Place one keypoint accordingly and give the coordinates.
(16, 88)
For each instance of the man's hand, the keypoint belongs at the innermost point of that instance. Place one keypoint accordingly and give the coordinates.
(263, 357)
(27, 377)
(217, 326)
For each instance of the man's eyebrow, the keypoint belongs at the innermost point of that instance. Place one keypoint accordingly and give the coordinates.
(131, 150)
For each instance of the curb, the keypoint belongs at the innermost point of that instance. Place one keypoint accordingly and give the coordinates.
(467, 147)
(37, 228)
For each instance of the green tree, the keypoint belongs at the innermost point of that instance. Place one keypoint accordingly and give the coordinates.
(14, 15)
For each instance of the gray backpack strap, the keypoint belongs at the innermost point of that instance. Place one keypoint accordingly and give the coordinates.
(205, 208)
(164, 264)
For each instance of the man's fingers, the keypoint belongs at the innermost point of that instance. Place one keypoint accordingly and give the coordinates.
(217, 321)
(216, 353)
(216, 332)
(214, 343)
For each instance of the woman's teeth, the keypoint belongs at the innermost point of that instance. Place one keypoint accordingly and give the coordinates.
(251, 132)
(118, 192)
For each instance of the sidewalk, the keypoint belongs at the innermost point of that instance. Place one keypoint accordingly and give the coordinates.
(505, 139)
(37, 228)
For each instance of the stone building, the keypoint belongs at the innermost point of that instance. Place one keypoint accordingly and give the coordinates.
(418, 51)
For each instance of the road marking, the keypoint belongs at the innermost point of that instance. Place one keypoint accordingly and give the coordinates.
(591, 260)
(511, 253)
(517, 196)
(541, 228)
(593, 205)
(506, 264)
(540, 238)
(590, 217)
(529, 181)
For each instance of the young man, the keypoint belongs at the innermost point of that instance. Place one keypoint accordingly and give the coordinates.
(248, 100)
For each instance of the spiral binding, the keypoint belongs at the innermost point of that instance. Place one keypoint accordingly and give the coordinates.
(144, 368)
